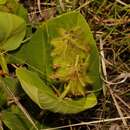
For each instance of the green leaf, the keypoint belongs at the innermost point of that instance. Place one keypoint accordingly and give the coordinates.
(12, 30)
(14, 119)
(22, 12)
(2, 2)
(65, 24)
(34, 53)
(46, 44)
(44, 96)
(14, 7)
(40, 59)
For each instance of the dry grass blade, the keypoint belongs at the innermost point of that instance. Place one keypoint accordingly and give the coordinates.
(109, 88)
(1, 127)
(115, 22)
(122, 77)
(85, 4)
(118, 107)
(103, 65)
(116, 83)
(62, 5)
(114, 127)
(39, 6)
(122, 3)
(122, 101)
(88, 123)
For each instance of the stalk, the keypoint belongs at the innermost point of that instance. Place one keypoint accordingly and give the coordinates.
(3, 63)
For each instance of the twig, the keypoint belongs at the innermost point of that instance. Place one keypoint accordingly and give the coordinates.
(19, 105)
(1, 127)
(39, 7)
(88, 123)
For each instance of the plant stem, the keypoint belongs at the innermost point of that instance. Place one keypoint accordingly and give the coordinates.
(1, 127)
(3, 63)
(67, 89)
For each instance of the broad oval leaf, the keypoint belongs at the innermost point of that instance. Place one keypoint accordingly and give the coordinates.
(70, 21)
(40, 61)
(43, 95)
(12, 31)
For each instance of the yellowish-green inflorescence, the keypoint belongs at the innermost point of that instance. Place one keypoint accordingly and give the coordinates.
(70, 61)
